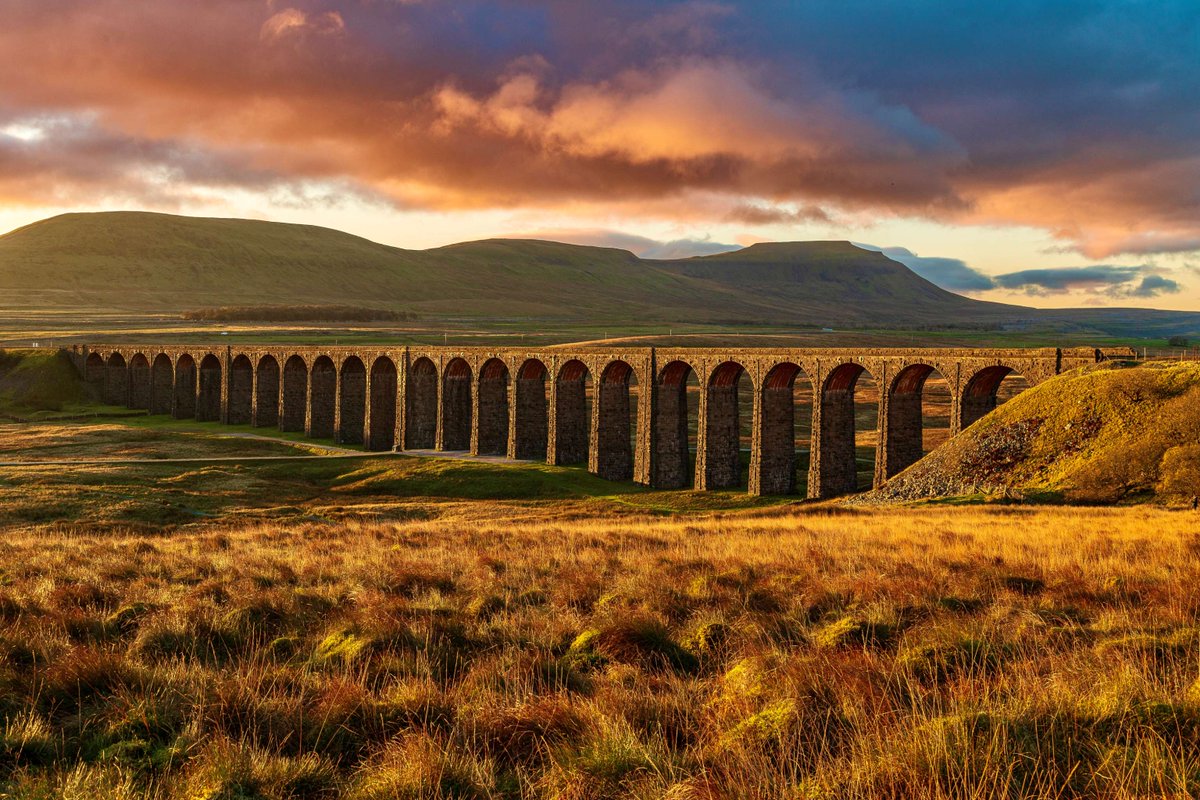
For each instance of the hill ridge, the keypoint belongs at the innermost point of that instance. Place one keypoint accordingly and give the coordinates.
(141, 261)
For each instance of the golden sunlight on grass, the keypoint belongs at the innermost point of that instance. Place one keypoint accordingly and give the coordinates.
(939, 653)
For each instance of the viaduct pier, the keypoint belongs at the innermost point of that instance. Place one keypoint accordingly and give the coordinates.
(624, 412)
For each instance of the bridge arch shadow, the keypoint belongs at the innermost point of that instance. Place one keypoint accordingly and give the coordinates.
(675, 426)
(491, 439)
(531, 417)
(918, 417)
(456, 405)
(421, 409)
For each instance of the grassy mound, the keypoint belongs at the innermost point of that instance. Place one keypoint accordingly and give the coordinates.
(39, 380)
(1107, 433)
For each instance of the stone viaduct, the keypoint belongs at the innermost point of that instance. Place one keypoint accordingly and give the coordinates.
(534, 404)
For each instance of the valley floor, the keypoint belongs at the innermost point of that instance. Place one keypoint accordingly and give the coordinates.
(419, 628)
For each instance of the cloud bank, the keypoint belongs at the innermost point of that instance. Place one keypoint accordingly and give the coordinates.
(1075, 118)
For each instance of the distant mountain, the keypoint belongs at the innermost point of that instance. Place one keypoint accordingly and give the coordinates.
(144, 262)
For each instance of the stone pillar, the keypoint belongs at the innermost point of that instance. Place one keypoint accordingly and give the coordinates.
(241, 393)
(490, 436)
(116, 382)
(832, 469)
(322, 400)
(140, 392)
(530, 425)
(773, 456)
(293, 395)
(901, 434)
(352, 402)
(721, 438)
(380, 423)
(226, 374)
(184, 406)
(572, 428)
(266, 394)
(423, 396)
(456, 406)
(611, 449)
(162, 386)
(647, 406)
(671, 455)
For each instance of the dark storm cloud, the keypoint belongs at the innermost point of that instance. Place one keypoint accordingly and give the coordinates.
(1116, 281)
(1074, 117)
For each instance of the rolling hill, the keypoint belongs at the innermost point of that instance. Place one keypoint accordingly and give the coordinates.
(148, 262)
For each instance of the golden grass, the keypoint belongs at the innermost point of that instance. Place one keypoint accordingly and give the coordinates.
(790, 652)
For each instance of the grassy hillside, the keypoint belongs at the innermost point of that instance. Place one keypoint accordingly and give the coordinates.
(150, 263)
(1099, 434)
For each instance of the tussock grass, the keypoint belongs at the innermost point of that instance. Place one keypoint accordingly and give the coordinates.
(926, 653)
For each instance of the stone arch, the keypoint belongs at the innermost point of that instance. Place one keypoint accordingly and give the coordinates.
(456, 405)
(139, 381)
(116, 380)
(208, 391)
(266, 392)
(672, 465)
(185, 387)
(904, 441)
(835, 465)
(531, 423)
(241, 391)
(322, 393)
(616, 416)
(352, 400)
(381, 431)
(294, 395)
(983, 391)
(722, 421)
(572, 414)
(95, 373)
(492, 421)
(421, 406)
(162, 384)
(782, 433)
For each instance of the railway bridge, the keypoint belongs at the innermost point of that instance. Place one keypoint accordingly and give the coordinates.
(624, 412)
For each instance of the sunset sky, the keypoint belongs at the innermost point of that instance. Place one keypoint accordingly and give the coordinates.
(1046, 153)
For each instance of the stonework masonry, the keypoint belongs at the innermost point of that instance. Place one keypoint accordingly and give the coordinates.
(614, 409)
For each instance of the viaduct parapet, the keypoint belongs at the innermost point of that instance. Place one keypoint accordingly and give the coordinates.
(624, 412)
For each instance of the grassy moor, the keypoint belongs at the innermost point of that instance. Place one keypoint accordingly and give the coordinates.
(594, 400)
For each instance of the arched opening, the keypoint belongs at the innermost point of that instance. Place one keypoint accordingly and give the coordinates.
(616, 422)
(456, 406)
(989, 388)
(531, 417)
(381, 433)
(241, 391)
(849, 432)
(208, 395)
(918, 402)
(323, 397)
(294, 394)
(266, 393)
(572, 413)
(784, 434)
(674, 426)
(420, 432)
(185, 388)
(94, 372)
(492, 438)
(162, 384)
(723, 426)
(139, 382)
(116, 381)
(353, 401)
